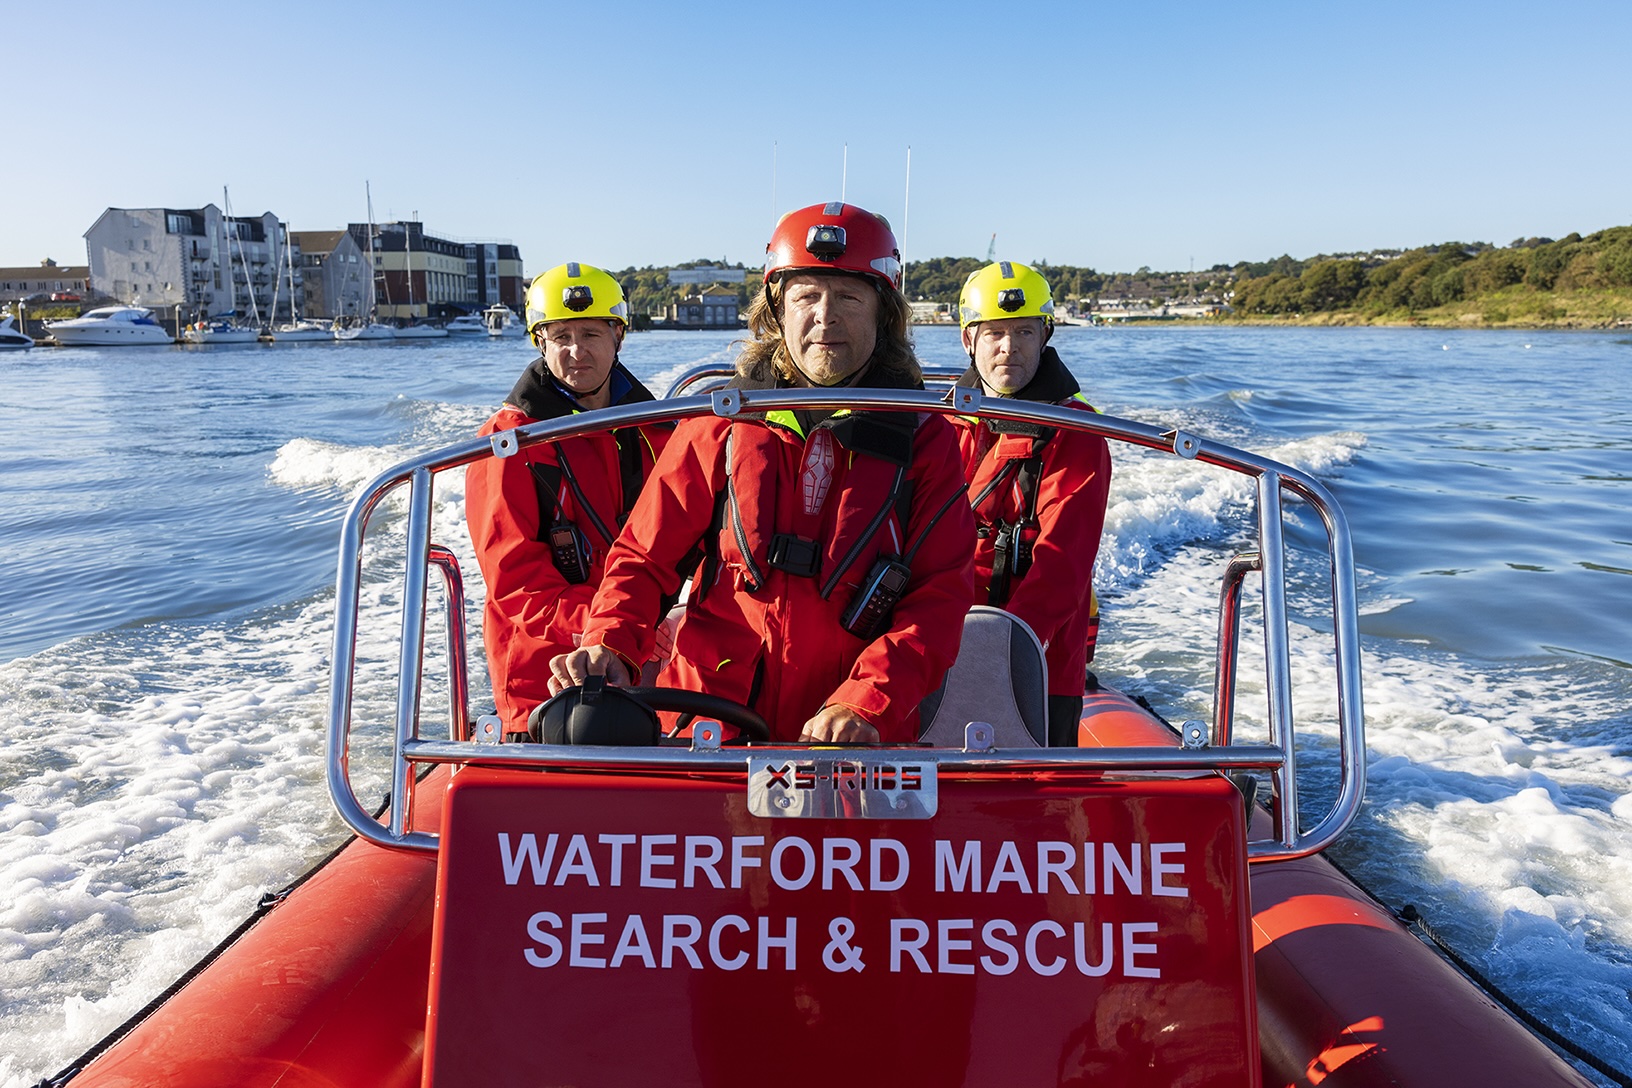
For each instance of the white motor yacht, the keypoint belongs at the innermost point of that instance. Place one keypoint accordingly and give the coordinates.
(110, 326)
(467, 323)
(11, 337)
(502, 321)
(219, 332)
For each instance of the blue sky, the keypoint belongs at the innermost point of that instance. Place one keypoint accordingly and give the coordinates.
(1108, 135)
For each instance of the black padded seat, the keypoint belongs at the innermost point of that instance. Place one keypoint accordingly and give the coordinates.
(1000, 677)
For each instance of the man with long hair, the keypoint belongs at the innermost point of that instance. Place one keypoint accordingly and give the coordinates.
(836, 546)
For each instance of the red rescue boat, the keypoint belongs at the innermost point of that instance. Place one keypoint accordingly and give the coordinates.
(976, 910)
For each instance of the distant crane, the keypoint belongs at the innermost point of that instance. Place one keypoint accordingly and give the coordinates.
(991, 249)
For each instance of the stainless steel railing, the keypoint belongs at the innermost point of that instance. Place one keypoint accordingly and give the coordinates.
(1201, 748)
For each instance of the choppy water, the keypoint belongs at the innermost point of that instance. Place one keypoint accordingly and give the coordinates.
(168, 518)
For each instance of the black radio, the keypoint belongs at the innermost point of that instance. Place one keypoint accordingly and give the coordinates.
(569, 550)
(873, 603)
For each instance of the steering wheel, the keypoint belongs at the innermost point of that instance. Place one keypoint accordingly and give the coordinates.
(691, 704)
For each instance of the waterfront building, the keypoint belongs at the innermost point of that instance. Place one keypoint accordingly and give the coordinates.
(197, 259)
(713, 307)
(334, 273)
(931, 312)
(418, 273)
(494, 276)
(708, 273)
(47, 281)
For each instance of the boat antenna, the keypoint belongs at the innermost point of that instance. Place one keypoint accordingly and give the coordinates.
(844, 173)
(906, 207)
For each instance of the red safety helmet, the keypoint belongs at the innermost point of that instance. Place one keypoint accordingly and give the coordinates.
(834, 237)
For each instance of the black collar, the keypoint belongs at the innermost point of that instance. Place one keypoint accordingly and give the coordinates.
(539, 396)
(1051, 384)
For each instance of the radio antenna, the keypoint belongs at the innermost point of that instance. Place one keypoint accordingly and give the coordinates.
(906, 208)
(844, 173)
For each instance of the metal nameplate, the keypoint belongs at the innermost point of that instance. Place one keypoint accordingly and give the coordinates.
(832, 787)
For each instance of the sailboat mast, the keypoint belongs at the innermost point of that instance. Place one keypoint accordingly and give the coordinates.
(373, 300)
(277, 283)
(408, 264)
(289, 259)
(243, 261)
(232, 288)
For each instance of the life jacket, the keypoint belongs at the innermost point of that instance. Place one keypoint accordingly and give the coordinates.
(1013, 540)
(540, 396)
(744, 535)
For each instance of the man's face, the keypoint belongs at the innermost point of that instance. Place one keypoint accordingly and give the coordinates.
(1007, 351)
(830, 323)
(580, 351)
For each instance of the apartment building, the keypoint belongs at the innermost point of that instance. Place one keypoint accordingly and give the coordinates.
(494, 276)
(199, 259)
(334, 273)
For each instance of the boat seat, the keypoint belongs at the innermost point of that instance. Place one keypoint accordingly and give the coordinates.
(1000, 677)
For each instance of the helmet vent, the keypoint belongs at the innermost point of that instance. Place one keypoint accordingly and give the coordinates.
(572, 270)
(835, 207)
(1006, 269)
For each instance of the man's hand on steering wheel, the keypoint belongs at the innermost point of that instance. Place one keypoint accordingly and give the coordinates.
(572, 669)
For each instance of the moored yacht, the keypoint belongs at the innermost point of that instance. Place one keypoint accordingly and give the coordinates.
(502, 321)
(219, 332)
(373, 330)
(303, 330)
(466, 324)
(11, 337)
(110, 326)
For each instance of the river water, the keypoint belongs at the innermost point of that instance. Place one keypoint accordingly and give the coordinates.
(169, 517)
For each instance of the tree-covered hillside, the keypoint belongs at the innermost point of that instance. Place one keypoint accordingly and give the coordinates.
(1524, 277)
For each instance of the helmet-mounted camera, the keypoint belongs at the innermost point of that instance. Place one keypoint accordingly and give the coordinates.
(577, 298)
(1011, 299)
(825, 241)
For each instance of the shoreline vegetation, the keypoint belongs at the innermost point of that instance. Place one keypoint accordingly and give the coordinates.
(1573, 282)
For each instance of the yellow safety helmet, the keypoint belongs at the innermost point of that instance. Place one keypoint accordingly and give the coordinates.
(574, 290)
(1004, 289)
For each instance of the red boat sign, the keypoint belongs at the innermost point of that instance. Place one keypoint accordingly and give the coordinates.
(621, 928)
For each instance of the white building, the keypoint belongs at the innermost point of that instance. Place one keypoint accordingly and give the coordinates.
(195, 258)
